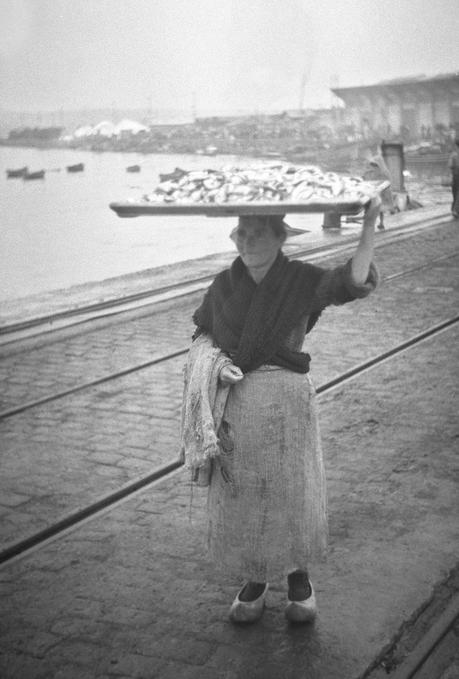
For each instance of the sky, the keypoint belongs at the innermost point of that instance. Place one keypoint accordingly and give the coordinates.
(214, 55)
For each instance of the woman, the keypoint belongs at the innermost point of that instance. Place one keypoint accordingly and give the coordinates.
(453, 164)
(249, 410)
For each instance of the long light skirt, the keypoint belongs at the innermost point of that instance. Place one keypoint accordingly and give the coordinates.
(267, 495)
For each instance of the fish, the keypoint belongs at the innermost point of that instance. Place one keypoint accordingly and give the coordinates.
(271, 182)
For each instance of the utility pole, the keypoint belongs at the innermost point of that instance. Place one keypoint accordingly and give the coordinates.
(304, 80)
(334, 84)
(193, 106)
(149, 111)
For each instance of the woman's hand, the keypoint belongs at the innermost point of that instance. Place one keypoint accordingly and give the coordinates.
(230, 374)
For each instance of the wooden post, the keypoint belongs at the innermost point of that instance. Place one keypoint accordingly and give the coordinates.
(332, 220)
(394, 158)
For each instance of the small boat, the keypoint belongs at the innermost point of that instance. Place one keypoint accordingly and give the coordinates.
(177, 174)
(79, 167)
(39, 174)
(133, 168)
(20, 172)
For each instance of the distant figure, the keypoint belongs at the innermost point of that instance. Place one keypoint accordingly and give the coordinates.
(453, 165)
(378, 171)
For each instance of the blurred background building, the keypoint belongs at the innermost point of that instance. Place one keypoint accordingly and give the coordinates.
(412, 108)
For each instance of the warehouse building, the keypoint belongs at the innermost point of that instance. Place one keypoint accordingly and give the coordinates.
(411, 107)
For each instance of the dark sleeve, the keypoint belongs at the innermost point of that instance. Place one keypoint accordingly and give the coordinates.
(337, 287)
(201, 316)
(202, 313)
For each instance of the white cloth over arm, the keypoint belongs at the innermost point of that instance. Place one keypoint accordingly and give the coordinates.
(204, 400)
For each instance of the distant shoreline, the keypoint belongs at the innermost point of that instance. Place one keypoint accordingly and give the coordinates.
(347, 153)
(143, 152)
(39, 144)
(338, 157)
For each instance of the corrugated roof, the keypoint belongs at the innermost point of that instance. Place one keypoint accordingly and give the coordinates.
(408, 80)
(418, 78)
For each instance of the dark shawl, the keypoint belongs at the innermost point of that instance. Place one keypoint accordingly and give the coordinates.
(251, 322)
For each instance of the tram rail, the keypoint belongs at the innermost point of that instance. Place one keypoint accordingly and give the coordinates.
(430, 643)
(51, 323)
(175, 354)
(73, 520)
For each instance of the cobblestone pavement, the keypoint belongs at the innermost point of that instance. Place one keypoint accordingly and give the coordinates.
(64, 454)
(130, 593)
(31, 374)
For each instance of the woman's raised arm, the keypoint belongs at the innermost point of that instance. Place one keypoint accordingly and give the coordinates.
(363, 255)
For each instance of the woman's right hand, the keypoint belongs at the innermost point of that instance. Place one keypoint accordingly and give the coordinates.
(230, 374)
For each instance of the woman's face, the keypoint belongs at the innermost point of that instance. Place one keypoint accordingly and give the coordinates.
(256, 242)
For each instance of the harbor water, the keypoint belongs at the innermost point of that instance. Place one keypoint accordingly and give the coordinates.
(59, 231)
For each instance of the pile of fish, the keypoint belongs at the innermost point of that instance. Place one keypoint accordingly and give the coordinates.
(262, 183)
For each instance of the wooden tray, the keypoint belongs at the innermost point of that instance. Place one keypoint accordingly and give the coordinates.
(338, 205)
